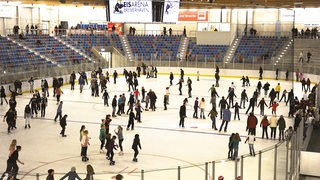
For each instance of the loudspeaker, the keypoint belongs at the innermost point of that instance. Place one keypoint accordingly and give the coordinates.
(157, 11)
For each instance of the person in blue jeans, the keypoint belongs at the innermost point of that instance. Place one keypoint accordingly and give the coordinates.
(226, 119)
(235, 144)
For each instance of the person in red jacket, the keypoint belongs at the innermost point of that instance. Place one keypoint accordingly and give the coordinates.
(252, 122)
(264, 124)
(274, 107)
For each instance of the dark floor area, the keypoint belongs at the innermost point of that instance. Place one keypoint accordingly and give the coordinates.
(314, 144)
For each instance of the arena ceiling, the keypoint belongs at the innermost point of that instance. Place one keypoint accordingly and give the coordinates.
(204, 4)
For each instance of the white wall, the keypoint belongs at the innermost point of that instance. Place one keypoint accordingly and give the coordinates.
(217, 38)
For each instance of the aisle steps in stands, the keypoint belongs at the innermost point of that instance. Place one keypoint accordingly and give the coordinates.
(126, 47)
(183, 47)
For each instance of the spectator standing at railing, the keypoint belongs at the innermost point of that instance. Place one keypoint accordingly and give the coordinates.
(32, 29)
(36, 29)
(27, 29)
(164, 31)
(133, 31)
(56, 30)
(170, 32)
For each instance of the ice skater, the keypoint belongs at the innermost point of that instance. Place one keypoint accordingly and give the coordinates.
(135, 145)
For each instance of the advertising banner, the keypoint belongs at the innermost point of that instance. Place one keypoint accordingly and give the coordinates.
(193, 15)
(171, 10)
(117, 28)
(130, 11)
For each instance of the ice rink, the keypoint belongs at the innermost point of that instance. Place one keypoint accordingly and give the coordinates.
(165, 146)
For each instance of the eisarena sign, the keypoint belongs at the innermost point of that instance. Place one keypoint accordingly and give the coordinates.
(130, 11)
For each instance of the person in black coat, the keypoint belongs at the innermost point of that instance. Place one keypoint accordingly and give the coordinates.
(132, 117)
(115, 76)
(182, 114)
(260, 73)
(12, 166)
(135, 145)
(231, 96)
(114, 106)
(236, 111)
(244, 98)
(63, 124)
(272, 96)
(180, 86)
(10, 118)
(217, 77)
(252, 103)
(223, 105)
(259, 86)
(171, 78)
(266, 87)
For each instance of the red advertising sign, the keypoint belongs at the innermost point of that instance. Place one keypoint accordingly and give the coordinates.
(117, 26)
(193, 15)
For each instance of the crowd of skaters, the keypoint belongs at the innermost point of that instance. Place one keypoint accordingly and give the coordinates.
(300, 110)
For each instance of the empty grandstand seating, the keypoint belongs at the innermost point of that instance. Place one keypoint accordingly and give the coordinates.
(147, 47)
(54, 49)
(206, 53)
(167, 46)
(258, 48)
(84, 42)
(13, 55)
(142, 46)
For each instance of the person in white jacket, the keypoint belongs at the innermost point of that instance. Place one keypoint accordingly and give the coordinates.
(202, 106)
(250, 139)
(273, 125)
